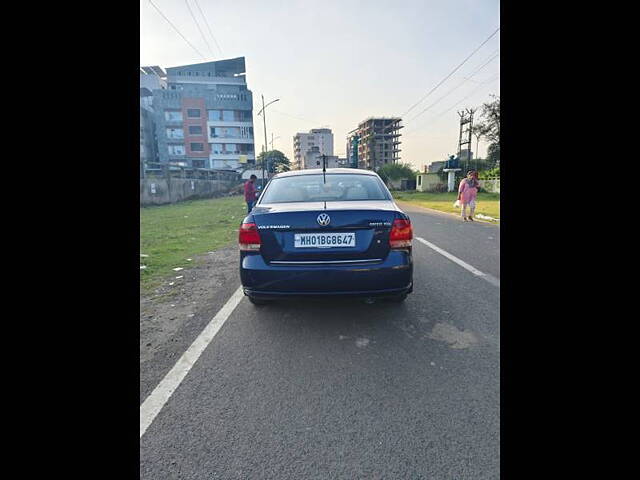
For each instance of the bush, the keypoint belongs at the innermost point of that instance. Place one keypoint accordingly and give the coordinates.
(493, 173)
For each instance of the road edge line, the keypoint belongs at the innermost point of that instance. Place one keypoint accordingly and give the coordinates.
(489, 278)
(153, 404)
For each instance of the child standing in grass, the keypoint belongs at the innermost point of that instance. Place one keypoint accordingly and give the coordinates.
(467, 194)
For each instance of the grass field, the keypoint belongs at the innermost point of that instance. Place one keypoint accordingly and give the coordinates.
(170, 234)
(487, 203)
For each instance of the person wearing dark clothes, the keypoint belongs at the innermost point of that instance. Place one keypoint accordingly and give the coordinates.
(250, 192)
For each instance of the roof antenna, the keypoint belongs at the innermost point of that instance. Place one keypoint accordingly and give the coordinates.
(324, 168)
(324, 174)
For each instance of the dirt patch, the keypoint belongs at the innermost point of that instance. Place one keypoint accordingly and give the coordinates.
(168, 310)
(457, 339)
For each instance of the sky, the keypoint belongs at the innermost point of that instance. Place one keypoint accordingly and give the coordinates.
(333, 63)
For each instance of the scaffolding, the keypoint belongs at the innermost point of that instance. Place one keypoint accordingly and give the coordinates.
(378, 142)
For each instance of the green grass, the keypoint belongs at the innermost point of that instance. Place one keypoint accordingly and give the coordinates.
(486, 203)
(170, 234)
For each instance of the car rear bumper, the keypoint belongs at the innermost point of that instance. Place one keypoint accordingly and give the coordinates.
(392, 276)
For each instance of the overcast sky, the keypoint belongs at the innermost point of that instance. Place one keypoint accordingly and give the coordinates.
(333, 63)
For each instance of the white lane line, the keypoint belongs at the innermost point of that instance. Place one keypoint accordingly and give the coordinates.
(485, 276)
(154, 402)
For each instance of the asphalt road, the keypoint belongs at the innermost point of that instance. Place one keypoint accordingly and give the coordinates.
(341, 389)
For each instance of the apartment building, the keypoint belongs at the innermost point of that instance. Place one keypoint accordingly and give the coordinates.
(322, 138)
(204, 118)
(375, 142)
(151, 78)
(313, 159)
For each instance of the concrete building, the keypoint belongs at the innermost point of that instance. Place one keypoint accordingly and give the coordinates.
(313, 159)
(435, 167)
(375, 142)
(151, 78)
(148, 151)
(204, 118)
(322, 138)
(427, 182)
(353, 139)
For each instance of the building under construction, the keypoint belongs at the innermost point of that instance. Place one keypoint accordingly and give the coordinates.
(375, 143)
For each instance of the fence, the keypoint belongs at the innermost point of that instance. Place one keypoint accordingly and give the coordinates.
(162, 170)
(402, 184)
(160, 191)
(491, 185)
(170, 183)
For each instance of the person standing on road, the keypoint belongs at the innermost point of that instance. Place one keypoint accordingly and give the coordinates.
(467, 194)
(250, 192)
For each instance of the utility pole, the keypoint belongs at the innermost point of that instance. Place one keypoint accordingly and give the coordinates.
(264, 120)
(471, 111)
(466, 118)
(478, 135)
(272, 140)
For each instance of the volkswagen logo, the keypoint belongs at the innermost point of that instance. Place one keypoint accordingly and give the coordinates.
(323, 219)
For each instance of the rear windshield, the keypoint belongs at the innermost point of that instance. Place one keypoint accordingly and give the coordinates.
(312, 188)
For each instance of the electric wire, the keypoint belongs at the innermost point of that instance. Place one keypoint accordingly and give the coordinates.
(176, 29)
(454, 88)
(432, 119)
(452, 72)
(208, 27)
(199, 29)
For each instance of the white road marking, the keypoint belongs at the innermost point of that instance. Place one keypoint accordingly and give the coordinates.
(154, 402)
(485, 276)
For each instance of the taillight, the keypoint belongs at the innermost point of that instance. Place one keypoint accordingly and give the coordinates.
(401, 233)
(249, 237)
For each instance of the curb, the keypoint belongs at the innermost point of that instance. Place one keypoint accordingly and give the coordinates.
(401, 202)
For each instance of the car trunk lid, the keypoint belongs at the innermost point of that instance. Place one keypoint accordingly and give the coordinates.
(369, 222)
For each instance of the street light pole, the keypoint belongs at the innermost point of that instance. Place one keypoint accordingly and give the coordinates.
(264, 122)
(272, 139)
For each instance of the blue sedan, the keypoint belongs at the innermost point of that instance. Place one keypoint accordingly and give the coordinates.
(326, 233)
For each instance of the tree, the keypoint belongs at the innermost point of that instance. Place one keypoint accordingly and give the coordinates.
(493, 154)
(276, 161)
(396, 171)
(490, 123)
(478, 131)
(489, 128)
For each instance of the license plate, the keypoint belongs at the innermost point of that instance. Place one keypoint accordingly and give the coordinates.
(324, 240)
